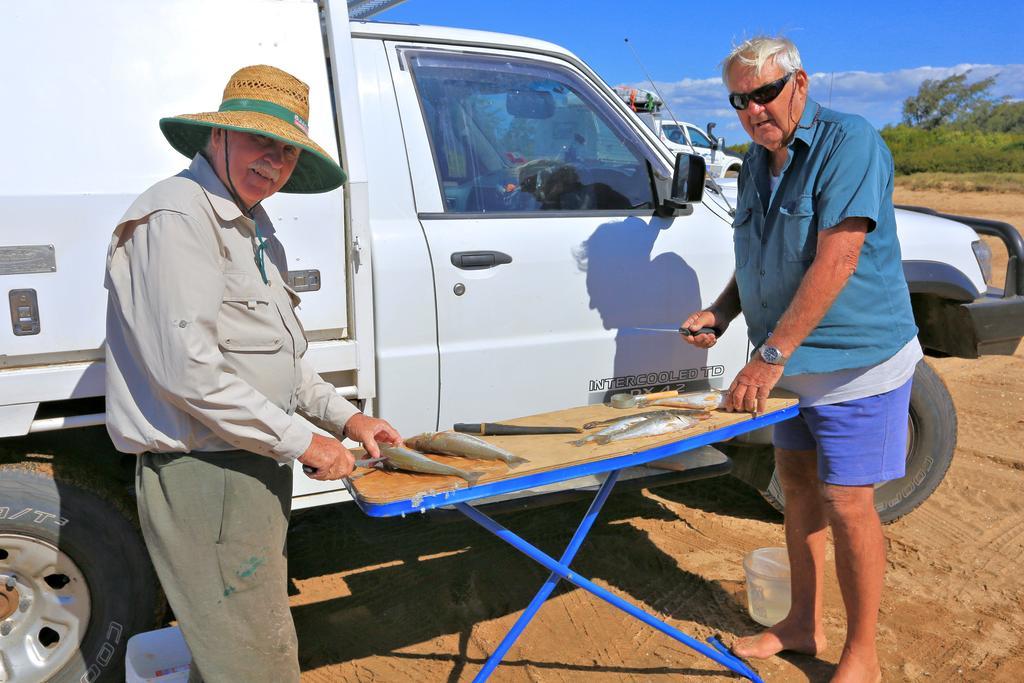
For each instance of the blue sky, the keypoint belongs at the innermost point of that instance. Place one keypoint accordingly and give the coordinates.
(873, 54)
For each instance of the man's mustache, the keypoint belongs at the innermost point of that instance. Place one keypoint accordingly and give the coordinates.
(266, 170)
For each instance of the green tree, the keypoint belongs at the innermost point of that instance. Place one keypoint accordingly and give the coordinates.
(1001, 117)
(952, 99)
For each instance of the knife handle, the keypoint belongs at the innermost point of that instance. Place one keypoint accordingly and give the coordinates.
(687, 332)
(497, 429)
(658, 394)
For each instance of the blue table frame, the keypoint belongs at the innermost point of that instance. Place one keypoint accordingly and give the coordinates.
(560, 568)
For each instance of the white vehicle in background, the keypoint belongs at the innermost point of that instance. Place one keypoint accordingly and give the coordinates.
(680, 136)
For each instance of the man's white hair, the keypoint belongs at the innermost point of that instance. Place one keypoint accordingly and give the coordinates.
(760, 51)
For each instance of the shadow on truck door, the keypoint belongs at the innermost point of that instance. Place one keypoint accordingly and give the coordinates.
(637, 277)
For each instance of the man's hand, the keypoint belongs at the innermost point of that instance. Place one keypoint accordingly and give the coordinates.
(749, 391)
(328, 458)
(369, 430)
(705, 318)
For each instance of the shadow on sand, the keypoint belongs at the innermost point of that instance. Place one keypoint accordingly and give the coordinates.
(412, 580)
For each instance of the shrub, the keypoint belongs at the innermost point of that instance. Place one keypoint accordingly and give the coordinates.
(951, 150)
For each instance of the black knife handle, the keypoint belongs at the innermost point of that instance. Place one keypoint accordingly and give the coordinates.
(687, 332)
(497, 429)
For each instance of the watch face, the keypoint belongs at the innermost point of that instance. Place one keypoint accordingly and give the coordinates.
(770, 354)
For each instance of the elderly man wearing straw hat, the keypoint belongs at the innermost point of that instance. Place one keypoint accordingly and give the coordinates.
(205, 374)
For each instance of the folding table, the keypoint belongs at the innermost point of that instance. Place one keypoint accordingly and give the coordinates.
(552, 459)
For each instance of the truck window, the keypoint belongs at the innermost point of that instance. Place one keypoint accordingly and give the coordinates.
(698, 138)
(674, 134)
(516, 135)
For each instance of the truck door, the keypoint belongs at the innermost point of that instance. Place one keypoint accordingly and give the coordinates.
(535, 201)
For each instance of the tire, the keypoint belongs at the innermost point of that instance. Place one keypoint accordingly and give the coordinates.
(930, 445)
(79, 611)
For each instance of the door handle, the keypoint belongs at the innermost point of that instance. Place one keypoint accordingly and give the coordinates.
(478, 260)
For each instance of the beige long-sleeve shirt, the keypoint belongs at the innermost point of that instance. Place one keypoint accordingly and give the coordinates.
(202, 355)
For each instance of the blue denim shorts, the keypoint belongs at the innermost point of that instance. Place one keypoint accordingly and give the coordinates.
(859, 442)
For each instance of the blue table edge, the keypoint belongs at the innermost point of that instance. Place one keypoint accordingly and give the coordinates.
(502, 486)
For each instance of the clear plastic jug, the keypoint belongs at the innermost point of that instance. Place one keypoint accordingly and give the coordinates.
(768, 596)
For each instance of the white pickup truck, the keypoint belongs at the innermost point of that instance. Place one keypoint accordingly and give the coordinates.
(680, 136)
(505, 233)
(684, 137)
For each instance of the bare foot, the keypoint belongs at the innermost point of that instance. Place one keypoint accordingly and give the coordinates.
(784, 636)
(854, 668)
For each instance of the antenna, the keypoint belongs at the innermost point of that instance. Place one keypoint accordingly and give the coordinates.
(708, 180)
(658, 92)
(830, 82)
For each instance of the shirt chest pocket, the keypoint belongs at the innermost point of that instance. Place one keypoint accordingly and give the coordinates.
(796, 218)
(248, 321)
(294, 324)
(742, 226)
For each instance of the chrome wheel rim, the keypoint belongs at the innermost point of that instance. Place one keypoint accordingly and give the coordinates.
(45, 607)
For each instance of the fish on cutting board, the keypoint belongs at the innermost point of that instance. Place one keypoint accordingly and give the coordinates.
(399, 458)
(663, 424)
(698, 400)
(462, 445)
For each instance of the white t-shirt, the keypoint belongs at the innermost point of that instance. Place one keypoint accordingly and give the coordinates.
(824, 388)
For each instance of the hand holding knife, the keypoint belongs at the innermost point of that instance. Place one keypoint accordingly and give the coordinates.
(685, 331)
(367, 462)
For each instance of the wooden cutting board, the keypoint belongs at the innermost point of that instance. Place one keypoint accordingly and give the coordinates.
(542, 451)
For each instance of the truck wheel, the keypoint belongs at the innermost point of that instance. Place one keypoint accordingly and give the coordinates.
(930, 445)
(75, 582)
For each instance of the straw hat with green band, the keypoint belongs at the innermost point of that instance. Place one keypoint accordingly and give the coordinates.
(266, 101)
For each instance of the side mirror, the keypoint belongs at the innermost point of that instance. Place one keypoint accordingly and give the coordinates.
(721, 143)
(688, 179)
(530, 104)
(687, 184)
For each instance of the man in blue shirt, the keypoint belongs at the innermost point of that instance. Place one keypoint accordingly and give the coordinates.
(819, 280)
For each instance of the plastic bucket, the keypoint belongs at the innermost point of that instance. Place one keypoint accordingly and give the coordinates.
(157, 657)
(768, 597)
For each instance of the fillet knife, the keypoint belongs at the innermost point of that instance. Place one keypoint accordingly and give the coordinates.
(368, 462)
(685, 331)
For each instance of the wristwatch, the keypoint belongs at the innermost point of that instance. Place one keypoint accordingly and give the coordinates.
(771, 355)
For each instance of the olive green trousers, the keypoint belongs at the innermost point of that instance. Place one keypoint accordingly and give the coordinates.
(215, 526)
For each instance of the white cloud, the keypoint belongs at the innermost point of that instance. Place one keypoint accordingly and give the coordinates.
(878, 96)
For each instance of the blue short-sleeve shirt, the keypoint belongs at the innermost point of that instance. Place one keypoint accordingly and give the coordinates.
(838, 168)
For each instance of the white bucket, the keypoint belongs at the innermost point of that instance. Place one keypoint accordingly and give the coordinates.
(157, 657)
(768, 597)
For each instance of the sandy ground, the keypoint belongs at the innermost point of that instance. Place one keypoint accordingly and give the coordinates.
(422, 599)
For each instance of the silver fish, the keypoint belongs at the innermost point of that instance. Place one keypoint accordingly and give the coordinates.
(658, 425)
(698, 400)
(463, 445)
(681, 411)
(615, 426)
(407, 459)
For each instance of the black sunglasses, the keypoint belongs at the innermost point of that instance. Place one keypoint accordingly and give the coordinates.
(763, 95)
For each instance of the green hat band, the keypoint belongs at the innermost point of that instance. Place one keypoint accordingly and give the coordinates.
(269, 108)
